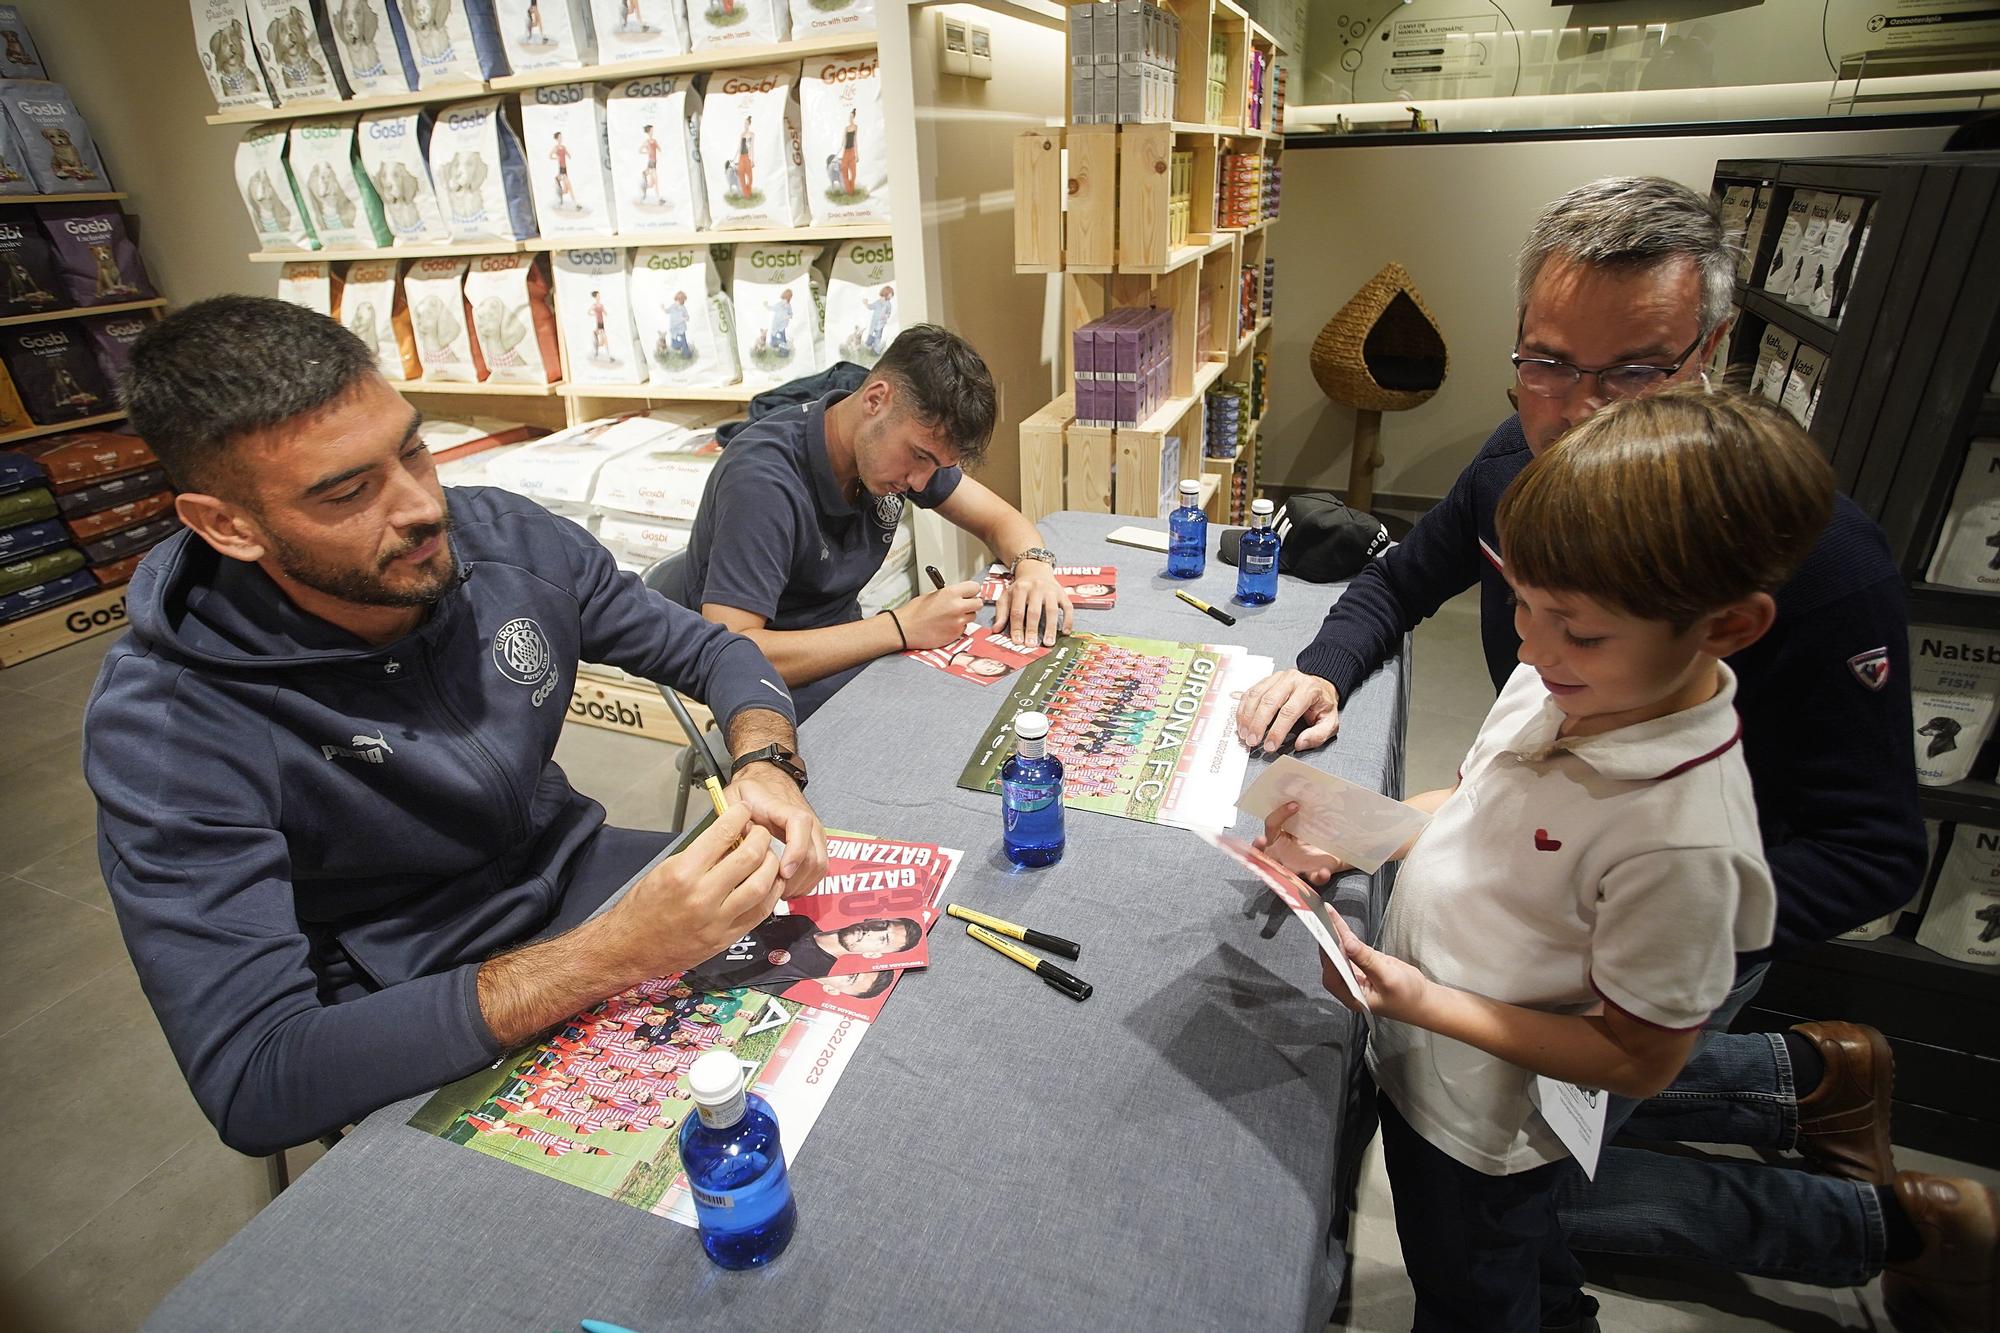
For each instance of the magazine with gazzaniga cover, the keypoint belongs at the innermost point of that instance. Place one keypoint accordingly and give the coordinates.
(599, 1103)
(1968, 549)
(1954, 692)
(982, 657)
(1090, 587)
(1963, 918)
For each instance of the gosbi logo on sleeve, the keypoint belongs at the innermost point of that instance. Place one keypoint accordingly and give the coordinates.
(522, 653)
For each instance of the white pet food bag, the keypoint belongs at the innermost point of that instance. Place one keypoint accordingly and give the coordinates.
(653, 126)
(312, 283)
(1962, 920)
(846, 152)
(338, 194)
(1954, 693)
(562, 131)
(861, 317)
(639, 29)
(779, 311)
(392, 147)
(686, 325)
(452, 41)
(546, 34)
(434, 290)
(511, 319)
(371, 48)
(276, 210)
(714, 24)
(750, 149)
(480, 175)
(372, 308)
(817, 18)
(297, 57)
(594, 308)
(228, 56)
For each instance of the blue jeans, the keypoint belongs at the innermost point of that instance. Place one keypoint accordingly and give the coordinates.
(1743, 1216)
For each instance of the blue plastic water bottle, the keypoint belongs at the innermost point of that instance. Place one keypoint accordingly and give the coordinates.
(736, 1167)
(1187, 535)
(1257, 559)
(1031, 795)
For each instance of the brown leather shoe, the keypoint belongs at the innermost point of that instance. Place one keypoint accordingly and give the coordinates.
(1844, 1122)
(1954, 1285)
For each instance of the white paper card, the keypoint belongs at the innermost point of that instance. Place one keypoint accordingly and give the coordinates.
(1146, 539)
(1358, 824)
(1576, 1115)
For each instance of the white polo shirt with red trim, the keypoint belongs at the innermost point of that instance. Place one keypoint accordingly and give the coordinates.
(1626, 867)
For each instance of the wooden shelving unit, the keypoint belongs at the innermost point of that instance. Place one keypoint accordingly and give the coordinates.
(81, 312)
(346, 254)
(1911, 354)
(483, 389)
(663, 393)
(81, 423)
(87, 197)
(1094, 204)
(634, 240)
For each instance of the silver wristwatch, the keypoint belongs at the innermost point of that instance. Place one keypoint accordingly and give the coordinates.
(1041, 553)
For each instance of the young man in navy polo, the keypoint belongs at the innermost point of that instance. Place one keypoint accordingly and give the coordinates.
(800, 513)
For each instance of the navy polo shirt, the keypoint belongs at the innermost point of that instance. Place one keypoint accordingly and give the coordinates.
(776, 537)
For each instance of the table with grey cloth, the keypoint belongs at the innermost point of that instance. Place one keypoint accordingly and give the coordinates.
(1163, 1155)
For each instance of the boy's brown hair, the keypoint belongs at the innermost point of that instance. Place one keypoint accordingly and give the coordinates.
(1669, 506)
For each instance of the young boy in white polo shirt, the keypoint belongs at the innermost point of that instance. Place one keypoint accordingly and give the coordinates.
(1576, 904)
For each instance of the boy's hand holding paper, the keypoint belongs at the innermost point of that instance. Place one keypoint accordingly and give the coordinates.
(1321, 921)
(1358, 825)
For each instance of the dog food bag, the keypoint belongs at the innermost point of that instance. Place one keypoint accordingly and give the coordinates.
(13, 412)
(434, 291)
(594, 306)
(716, 24)
(480, 173)
(298, 57)
(639, 29)
(373, 53)
(55, 372)
(393, 145)
(18, 57)
(269, 192)
(312, 283)
(750, 149)
(546, 34)
(861, 317)
(373, 309)
(327, 169)
(654, 126)
(99, 263)
(817, 18)
(228, 56)
(686, 323)
(453, 41)
(569, 162)
(846, 166)
(1955, 692)
(30, 282)
(111, 339)
(15, 178)
(511, 319)
(779, 312)
(1962, 920)
(61, 156)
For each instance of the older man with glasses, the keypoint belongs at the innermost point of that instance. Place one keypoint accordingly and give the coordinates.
(1624, 287)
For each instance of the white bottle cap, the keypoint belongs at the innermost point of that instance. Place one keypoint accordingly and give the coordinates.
(1190, 486)
(1031, 726)
(1260, 506)
(715, 1080)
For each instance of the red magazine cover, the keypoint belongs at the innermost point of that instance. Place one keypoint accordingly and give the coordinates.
(982, 656)
(1091, 587)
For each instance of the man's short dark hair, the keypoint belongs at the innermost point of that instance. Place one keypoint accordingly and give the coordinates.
(945, 383)
(205, 377)
(877, 983)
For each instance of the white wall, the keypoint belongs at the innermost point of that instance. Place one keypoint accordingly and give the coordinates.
(1452, 215)
(131, 67)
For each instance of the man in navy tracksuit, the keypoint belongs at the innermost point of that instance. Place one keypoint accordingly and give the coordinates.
(345, 864)
(1625, 286)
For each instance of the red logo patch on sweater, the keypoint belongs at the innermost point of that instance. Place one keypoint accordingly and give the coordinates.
(1871, 668)
(1544, 843)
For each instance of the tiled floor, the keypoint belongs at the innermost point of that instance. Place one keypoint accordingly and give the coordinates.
(115, 1186)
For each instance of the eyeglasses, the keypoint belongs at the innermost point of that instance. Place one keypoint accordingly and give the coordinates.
(1547, 377)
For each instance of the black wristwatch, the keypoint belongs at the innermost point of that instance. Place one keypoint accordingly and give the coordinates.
(786, 761)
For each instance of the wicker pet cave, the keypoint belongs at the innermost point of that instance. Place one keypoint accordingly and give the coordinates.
(1381, 353)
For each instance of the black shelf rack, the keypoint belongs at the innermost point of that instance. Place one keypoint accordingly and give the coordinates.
(1908, 384)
